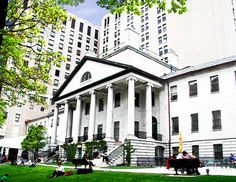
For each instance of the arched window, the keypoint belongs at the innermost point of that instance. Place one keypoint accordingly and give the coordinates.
(86, 76)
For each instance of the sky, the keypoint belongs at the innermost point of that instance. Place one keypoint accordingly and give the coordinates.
(89, 11)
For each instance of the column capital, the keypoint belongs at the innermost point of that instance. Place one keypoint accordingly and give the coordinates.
(110, 85)
(57, 106)
(78, 97)
(92, 92)
(131, 78)
(148, 84)
(66, 102)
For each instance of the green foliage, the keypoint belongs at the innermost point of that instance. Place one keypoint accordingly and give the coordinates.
(133, 6)
(35, 139)
(70, 150)
(128, 149)
(100, 145)
(21, 39)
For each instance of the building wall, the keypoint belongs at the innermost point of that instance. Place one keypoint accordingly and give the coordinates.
(204, 33)
(203, 104)
(71, 39)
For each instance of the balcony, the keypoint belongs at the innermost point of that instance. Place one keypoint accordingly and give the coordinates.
(68, 140)
(99, 136)
(140, 134)
(82, 138)
(157, 136)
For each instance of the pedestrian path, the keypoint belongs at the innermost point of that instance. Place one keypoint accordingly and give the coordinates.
(162, 170)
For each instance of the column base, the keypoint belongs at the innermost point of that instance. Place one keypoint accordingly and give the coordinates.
(129, 136)
(150, 139)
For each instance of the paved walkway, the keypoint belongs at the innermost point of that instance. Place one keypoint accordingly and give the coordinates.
(162, 170)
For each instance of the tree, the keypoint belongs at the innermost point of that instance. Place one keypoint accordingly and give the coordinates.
(35, 139)
(21, 22)
(70, 150)
(128, 149)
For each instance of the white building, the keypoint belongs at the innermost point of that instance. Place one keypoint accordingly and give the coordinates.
(76, 37)
(207, 31)
(149, 102)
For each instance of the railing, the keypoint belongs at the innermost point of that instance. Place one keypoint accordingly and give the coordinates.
(116, 152)
(82, 138)
(157, 136)
(68, 140)
(151, 161)
(99, 136)
(140, 134)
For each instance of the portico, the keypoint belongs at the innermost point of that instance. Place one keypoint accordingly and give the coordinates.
(97, 110)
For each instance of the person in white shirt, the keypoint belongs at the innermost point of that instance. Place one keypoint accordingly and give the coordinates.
(60, 171)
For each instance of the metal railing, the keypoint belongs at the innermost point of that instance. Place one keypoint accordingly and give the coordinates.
(157, 137)
(99, 136)
(82, 138)
(151, 161)
(140, 134)
(68, 140)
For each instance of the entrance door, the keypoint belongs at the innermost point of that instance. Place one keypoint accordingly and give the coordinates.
(136, 129)
(12, 155)
(116, 130)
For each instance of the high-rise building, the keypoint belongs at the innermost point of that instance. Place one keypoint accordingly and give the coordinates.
(76, 37)
(207, 31)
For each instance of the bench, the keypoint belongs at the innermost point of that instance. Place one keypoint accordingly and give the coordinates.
(84, 162)
(189, 165)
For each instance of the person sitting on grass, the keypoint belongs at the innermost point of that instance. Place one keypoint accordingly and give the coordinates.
(4, 178)
(59, 171)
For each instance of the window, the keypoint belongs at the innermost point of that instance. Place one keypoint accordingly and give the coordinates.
(87, 47)
(194, 120)
(66, 75)
(160, 40)
(99, 132)
(101, 104)
(195, 150)
(50, 42)
(136, 101)
(80, 37)
(136, 129)
(73, 23)
(54, 91)
(175, 150)
(89, 31)
(175, 125)
(88, 40)
(153, 98)
(95, 43)
(95, 50)
(72, 33)
(96, 34)
(86, 76)
(116, 130)
(57, 72)
(160, 51)
(164, 17)
(69, 49)
(159, 30)
(17, 118)
(63, 29)
(192, 88)
(79, 44)
(56, 82)
(81, 27)
(164, 27)
(117, 100)
(218, 151)
(214, 83)
(60, 46)
(78, 52)
(71, 41)
(69, 58)
(62, 37)
(87, 108)
(173, 91)
(159, 19)
(216, 119)
(165, 38)
(67, 66)
(165, 49)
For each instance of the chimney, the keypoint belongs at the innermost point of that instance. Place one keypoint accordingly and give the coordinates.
(132, 37)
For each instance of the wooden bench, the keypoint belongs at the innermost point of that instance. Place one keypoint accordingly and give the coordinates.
(189, 165)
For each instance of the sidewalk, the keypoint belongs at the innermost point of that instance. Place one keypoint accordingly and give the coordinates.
(162, 170)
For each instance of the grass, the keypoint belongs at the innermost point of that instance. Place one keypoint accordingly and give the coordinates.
(41, 174)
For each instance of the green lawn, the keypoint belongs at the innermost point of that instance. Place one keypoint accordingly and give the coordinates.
(40, 174)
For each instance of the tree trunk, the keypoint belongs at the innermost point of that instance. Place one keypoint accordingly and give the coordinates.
(3, 16)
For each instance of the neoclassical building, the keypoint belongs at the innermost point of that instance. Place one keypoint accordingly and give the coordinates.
(132, 94)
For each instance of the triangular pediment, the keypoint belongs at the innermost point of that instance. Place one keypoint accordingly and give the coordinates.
(98, 70)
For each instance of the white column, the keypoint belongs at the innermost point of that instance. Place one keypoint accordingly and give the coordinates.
(149, 110)
(76, 120)
(131, 108)
(65, 117)
(109, 112)
(91, 115)
(54, 125)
